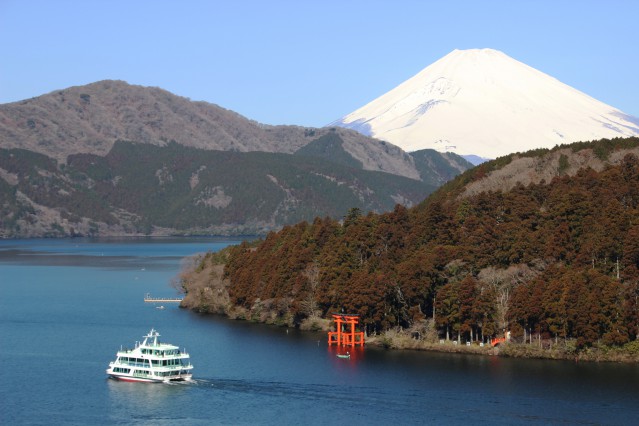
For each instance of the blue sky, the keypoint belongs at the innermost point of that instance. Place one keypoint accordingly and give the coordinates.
(307, 62)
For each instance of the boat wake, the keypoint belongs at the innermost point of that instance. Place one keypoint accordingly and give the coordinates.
(301, 391)
(360, 399)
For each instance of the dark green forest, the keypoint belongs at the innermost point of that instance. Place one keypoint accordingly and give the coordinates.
(550, 261)
(141, 188)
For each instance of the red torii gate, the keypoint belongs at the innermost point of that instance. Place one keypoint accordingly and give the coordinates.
(345, 337)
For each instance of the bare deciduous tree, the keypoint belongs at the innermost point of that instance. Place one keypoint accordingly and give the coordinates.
(309, 304)
(187, 266)
(502, 282)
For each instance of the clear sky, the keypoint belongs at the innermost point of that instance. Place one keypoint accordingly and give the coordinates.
(307, 62)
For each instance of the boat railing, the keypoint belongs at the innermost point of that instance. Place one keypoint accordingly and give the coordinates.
(154, 367)
(133, 364)
(181, 354)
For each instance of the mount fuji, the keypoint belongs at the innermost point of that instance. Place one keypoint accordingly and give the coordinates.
(481, 102)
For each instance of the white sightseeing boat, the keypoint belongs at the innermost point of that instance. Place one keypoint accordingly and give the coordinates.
(151, 361)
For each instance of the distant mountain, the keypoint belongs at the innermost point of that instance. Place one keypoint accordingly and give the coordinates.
(433, 167)
(439, 167)
(89, 119)
(142, 189)
(190, 168)
(475, 160)
(482, 102)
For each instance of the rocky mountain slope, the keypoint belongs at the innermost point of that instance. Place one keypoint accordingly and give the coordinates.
(67, 168)
(89, 119)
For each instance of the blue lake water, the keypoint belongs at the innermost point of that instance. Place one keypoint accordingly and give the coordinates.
(66, 307)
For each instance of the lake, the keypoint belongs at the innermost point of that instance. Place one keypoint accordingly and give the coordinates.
(66, 307)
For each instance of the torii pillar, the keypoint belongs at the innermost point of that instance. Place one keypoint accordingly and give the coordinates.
(345, 337)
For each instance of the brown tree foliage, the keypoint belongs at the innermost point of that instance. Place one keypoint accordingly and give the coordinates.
(558, 259)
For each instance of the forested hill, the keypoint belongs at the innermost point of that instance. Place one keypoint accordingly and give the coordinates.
(542, 244)
(142, 189)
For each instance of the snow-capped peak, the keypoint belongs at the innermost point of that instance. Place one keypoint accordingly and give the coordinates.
(483, 102)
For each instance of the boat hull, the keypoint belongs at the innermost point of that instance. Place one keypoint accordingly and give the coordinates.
(124, 378)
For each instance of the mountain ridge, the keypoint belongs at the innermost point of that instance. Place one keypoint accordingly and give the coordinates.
(90, 118)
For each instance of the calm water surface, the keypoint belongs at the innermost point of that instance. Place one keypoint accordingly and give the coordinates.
(66, 306)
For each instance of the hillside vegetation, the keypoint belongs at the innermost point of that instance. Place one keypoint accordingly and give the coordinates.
(543, 244)
(143, 189)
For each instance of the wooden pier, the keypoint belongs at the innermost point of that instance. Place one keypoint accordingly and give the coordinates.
(149, 299)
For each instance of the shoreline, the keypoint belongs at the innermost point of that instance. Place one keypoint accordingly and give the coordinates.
(513, 350)
(206, 293)
(394, 340)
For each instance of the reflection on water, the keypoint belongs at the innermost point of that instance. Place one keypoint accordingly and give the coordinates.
(108, 252)
(127, 396)
(33, 258)
(342, 365)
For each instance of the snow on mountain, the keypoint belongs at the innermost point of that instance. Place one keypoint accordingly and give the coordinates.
(482, 102)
